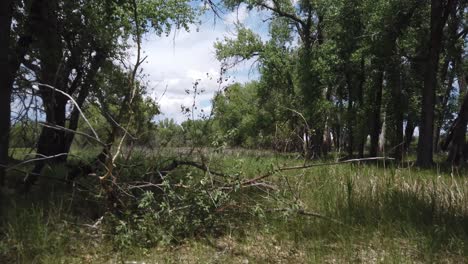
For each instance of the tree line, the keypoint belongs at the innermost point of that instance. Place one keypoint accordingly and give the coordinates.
(356, 76)
(351, 76)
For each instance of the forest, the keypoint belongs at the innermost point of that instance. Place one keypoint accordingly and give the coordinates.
(349, 144)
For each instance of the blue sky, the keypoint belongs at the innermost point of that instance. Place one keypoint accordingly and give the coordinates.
(177, 61)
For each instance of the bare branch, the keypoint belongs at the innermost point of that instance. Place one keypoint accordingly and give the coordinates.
(310, 166)
(282, 13)
(57, 127)
(73, 101)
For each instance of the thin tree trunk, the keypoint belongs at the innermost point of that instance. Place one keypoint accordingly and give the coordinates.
(409, 131)
(395, 118)
(350, 115)
(96, 64)
(375, 121)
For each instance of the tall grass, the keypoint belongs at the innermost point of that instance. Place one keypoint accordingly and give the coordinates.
(426, 211)
(389, 214)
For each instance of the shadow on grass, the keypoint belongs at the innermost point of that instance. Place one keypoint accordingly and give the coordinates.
(435, 222)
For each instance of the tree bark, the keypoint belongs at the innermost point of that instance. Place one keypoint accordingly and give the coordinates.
(375, 121)
(96, 64)
(439, 14)
(409, 131)
(456, 138)
(50, 45)
(6, 83)
(51, 141)
(395, 117)
(443, 109)
(10, 61)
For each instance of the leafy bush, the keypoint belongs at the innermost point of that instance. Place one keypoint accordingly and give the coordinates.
(185, 204)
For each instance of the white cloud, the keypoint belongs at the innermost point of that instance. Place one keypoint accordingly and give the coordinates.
(174, 63)
(239, 15)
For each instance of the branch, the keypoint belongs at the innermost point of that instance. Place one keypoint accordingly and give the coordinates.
(74, 102)
(281, 13)
(306, 213)
(310, 166)
(37, 159)
(57, 127)
(202, 167)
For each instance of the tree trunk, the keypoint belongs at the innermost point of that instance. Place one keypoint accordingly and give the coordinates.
(10, 61)
(395, 117)
(457, 135)
(6, 83)
(350, 115)
(96, 64)
(443, 111)
(439, 15)
(51, 141)
(375, 122)
(409, 131)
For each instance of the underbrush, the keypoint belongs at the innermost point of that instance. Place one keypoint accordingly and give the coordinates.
(367, 213)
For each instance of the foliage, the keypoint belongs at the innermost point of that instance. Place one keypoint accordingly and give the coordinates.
(236, 116)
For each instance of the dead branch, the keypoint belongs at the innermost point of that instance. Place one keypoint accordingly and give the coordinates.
(73, 101)
(310, 166)
(203, 167)
(57, 127)
(306, 213)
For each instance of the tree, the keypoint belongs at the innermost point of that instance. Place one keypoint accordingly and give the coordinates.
(67, 59)
(15, 41)
(440, 11)
(305, 19)
(6, 82)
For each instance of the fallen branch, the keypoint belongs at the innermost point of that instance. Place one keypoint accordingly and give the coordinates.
(203, 167)
(310, 166)
(306, 213)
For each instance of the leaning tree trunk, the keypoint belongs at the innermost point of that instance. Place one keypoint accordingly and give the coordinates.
(89, 81)
(439, 14)
(456, 138)
(443, 111)
(51, 143)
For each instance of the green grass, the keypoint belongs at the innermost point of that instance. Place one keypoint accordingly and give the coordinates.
(388, 214)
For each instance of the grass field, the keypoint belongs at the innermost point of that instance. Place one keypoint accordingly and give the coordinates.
(346, 213)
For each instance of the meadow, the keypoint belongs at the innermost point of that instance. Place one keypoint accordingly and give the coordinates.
(359, 212)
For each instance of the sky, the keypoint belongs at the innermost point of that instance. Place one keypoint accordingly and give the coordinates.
(175, 62)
